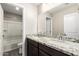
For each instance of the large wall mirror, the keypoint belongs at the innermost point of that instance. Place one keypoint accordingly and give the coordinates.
(64, 21)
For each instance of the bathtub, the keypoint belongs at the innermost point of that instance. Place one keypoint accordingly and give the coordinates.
(11, 43)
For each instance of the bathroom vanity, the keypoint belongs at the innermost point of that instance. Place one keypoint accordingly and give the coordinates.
(37, 49)
(44, 46)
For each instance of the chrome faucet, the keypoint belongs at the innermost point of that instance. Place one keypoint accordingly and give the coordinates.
(60, 36)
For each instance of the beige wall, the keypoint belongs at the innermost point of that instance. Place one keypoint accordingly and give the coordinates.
(58, 18)
(30, 19)
(41, 25)
(42, 22)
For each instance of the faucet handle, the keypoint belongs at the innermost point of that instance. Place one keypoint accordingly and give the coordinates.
(64, 34)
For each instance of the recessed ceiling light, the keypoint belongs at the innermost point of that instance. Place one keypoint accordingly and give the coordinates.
(17, 8)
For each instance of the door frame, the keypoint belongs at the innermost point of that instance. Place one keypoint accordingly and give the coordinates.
(51, 24)
(1, 30)
(23, 38)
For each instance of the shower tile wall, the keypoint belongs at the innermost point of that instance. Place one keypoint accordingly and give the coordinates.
(13, 36)
(12, 17)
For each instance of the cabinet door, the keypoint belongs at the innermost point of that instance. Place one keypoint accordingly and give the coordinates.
(30, 49)
(33, 51)
(42, 53)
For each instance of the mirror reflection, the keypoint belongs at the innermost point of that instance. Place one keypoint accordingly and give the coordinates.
(60, 22)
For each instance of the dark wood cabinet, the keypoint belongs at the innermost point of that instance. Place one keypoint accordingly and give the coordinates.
(42, 53)
(51, 51)
(33, 51)
(32, 48)
(37, 49)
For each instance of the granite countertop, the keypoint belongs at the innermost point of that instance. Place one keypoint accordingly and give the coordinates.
(64, 46)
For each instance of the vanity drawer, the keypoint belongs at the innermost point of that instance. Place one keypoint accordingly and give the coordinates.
(51, 51)
(34, 43)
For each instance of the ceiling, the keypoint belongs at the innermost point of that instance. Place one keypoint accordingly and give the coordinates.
(61, 7)
(37, 4)
(11, 8)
